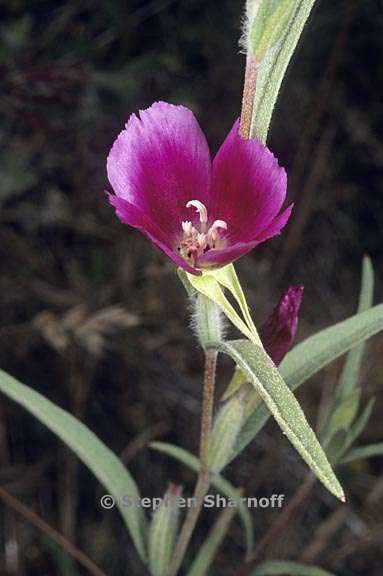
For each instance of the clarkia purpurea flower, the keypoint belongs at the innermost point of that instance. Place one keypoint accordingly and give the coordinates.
(278, 332)
(202, 214)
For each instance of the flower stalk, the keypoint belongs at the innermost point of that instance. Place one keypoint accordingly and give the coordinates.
(203, 480)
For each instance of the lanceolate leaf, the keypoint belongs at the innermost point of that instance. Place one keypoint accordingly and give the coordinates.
(286, 568)
(218, 482)
(269, 384)
(94, 454)
(313, 354)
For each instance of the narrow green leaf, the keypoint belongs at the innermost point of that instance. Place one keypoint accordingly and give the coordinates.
(209, 548)
(218, 482)
(92, 452)
(313, 354)
(281, 402)
(277, 50)
(286, 568)
(362, 452)
(351, 369)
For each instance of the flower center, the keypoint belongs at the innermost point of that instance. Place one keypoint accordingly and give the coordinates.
(196, 241)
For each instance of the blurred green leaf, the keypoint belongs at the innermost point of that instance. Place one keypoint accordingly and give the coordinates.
(286, 568)
(313, 354)
(217, 481)
(345, 403)
(343, 416)
(351, 369)
(344, 439)
(237, 381)
(269, 384)
(335, 446)
(225, 430)
(358, 426)
(92, 452)
(209, 548)
(363, 452)
(163, 532)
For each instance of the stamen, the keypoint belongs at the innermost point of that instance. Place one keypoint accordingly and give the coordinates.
(218, 224)
(201, 209)
(202, 241)
(213, 233)
(187, 227)
(196, 241)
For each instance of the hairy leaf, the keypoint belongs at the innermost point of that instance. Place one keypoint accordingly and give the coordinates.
(281, 402)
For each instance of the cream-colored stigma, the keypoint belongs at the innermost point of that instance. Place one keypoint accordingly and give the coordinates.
(195, 242)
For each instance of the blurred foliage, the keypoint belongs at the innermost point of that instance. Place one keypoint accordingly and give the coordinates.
(71, 73)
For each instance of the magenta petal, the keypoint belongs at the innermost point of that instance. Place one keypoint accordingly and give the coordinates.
(248, 187)
(278, 332)
(160, 162)
(217, 258)
(130, 214)
(276, 225)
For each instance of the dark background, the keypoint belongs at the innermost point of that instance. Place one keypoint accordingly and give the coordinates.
(94, 317)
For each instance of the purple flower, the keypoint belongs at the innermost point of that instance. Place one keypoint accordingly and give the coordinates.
(278, 332)
(201, 214)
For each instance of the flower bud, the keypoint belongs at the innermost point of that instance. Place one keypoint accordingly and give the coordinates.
(225, 432)
(207, 320)
(278, 333)
(163, 532)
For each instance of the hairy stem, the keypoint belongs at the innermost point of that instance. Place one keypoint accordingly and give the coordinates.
(203, 480)
(249, 87)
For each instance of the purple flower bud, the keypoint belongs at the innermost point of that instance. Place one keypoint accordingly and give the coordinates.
(278, 332)
(202, 214)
